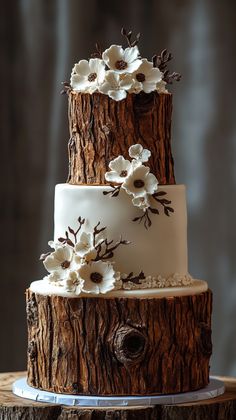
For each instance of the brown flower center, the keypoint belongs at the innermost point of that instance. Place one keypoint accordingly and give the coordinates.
(121, 65)
(65, 264)
(92, 77)
(96, 277)
(138, 183)
(123, 174)
(140, 77)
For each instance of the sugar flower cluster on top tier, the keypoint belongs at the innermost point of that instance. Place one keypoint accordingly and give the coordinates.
(137, 181)
(116, 73)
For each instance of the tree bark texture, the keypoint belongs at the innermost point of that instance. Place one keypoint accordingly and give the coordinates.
(102, 129)
(15, 408)
(119, 346)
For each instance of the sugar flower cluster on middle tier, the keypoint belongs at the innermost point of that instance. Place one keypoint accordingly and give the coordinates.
(118, 72)
(137, 181)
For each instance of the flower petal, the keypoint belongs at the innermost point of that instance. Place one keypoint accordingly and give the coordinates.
(96, 65)
(131, 54)
(112, 54)
(119, 164)
(151, 183)
(149, 87)
(78, 82)
(112, 176)
(136, 87)
(117, 95)
(105, 287)
(90, 287)
(104, 88)
(51, 263)
(135, 151)
(145, 155)
(133, 66)
(113, 78)
(126, 82)
(142, 202)
(154, 75)
(82, 68)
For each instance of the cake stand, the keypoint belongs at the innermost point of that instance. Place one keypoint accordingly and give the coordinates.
(218, 407)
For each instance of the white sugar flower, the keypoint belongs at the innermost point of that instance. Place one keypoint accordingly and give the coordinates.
(61, 260)
(120, 169)
(146, 77)
(120, 60)
(140, 182)
(73, 283)
(142, 202)
(85, 246)
(161, 87)
(87, 75)
(137, 152)
(116, 86)
(54, 244)
(54, 277)
(98, 277)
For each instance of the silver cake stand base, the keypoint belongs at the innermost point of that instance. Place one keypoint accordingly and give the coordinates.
(22, 389)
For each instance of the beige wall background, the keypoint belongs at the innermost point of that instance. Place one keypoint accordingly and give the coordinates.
(40, 42)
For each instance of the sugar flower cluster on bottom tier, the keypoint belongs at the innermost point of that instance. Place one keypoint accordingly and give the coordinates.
(82, 262)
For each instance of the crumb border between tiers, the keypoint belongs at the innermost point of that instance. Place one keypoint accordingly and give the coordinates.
(198, 286)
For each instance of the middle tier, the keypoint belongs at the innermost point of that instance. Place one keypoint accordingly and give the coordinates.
(159, 250)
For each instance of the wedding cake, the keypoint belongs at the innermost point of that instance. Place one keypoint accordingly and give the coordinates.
(118, 312)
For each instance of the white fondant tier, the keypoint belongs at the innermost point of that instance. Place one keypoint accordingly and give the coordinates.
(159, 250)
(43, 287)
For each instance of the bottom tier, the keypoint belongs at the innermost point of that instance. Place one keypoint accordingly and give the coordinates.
(119, 346)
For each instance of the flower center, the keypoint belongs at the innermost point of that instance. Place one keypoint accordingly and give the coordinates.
(138, 183)
(140, 77)
(121, 65)
(96, 277)
(92, 77)
(65, 264)
(123, 174)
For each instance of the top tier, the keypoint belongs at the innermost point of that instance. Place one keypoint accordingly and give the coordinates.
(102, 128)
(118, 99)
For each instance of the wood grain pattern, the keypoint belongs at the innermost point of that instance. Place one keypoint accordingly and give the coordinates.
(15, 408)
(101, 129)
(121, 346)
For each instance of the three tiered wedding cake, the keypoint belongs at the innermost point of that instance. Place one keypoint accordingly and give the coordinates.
(118, 313)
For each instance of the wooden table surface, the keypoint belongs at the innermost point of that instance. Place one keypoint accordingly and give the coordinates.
(16, 408)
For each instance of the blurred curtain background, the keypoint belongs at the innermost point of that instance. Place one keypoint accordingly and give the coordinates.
(40, 42)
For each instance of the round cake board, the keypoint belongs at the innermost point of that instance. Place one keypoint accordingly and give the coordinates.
(22, 389)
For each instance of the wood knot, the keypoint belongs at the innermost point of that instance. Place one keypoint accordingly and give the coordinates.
(130, 345)
(205, 339)
(32, 310)
(32, 350)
